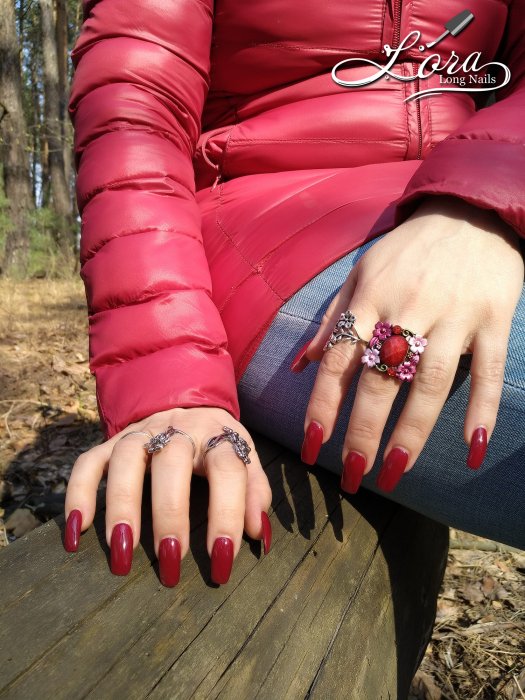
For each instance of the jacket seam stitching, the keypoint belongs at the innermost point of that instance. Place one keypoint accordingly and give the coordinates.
(275, 250)
(258, 267)
(255, 268)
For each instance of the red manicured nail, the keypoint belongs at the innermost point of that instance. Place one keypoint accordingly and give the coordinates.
(392, 469)
(312, 442)
(478, 448)
(169, 561)
(73, 526)
(354, 467)
(221, 560)
(121, 549)
(300, 361)
(267, 532)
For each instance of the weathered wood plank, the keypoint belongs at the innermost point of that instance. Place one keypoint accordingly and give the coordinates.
(341, 605)
(82, 579)
(410, 548)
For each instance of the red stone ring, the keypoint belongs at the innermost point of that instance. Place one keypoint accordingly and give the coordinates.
(394, 350)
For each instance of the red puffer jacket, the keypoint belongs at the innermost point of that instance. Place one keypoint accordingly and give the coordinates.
(220, 167)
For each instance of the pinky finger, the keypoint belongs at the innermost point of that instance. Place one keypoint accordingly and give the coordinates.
(81, 494)
(489, 354)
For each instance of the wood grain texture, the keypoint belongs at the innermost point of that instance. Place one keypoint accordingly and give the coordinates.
(342, 607)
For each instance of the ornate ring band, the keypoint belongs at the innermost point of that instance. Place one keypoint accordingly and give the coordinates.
(240, 445)
(160, 440)
(344, 329)
(135, 432)
(394, 350)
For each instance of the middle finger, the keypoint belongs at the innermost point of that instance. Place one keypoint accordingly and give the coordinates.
(171, 471)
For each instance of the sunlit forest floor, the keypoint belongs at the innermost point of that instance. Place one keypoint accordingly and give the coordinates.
(49, 416)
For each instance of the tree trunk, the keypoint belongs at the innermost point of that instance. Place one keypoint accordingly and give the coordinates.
(62, 57)
(60, 196)
(13, 145)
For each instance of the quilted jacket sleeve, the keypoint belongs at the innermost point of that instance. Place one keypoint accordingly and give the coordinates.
(156, 339)
(483, 161)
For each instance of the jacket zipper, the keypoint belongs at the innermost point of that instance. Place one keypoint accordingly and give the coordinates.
(397, 23)
(419, 126)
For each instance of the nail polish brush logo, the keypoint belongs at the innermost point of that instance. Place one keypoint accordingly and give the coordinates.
(465, 76)
(454, 26)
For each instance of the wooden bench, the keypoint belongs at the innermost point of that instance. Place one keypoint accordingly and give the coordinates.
(341, 607)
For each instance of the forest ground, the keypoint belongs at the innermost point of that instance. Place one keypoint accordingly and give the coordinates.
(49, 416)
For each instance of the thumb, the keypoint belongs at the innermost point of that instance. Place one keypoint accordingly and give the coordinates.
(338, 305)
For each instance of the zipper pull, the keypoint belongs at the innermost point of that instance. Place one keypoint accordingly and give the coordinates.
(217, 180)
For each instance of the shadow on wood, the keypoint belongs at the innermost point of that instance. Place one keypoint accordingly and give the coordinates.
(341, 607)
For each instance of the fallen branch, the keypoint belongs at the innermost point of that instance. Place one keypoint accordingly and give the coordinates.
(484, 546)
(481, 627)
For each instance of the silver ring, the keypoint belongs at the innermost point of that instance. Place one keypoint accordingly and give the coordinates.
(344, 329)
(240, 445)
(135, 432)
(160, 440)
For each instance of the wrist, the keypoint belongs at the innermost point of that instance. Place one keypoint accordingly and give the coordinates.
(457, 208)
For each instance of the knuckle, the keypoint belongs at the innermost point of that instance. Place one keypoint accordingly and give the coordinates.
(375, 387)
(434, 376)
(321, 405)
(413, 428)
(492, 372)
(364, 431)
(229, 514)
(335, 361)
(225, 462)
(169, 510)
(121, 495)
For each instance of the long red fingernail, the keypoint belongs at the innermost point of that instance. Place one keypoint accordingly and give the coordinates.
(392, 469)
(169, 561)
(73, 527)
(121, 549)
(312, 442)
(353, 470)
(221, 559)
(300, 361)
(267, 532)
(478, 448)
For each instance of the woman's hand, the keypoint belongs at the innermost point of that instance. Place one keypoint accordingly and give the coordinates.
(452, 273)
(240, 494)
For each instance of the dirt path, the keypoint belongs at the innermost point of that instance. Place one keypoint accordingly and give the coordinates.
(48, 417)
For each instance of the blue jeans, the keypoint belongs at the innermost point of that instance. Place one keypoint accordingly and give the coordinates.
(489, 502)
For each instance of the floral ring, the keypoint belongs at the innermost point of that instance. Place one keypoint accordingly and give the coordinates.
(344, 329)
(394, 350)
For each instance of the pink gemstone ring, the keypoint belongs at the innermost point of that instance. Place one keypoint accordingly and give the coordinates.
(394, 350)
